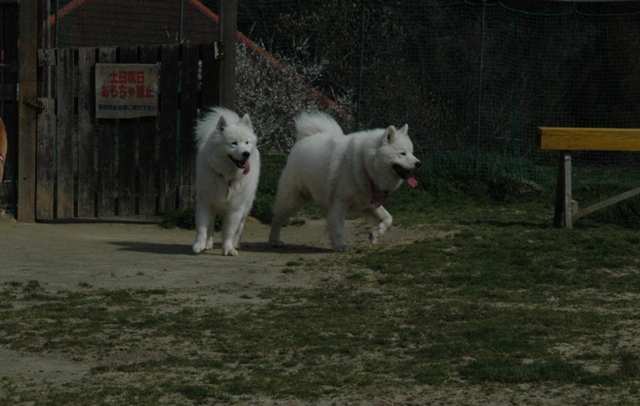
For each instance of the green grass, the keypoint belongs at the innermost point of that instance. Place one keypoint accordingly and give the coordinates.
(494, 303)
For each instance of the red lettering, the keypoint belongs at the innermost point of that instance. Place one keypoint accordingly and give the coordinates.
(139, 91)
(122, 91)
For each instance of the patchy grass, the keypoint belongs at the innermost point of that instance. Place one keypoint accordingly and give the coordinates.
(501, 308)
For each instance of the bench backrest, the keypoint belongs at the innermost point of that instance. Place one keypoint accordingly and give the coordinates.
(594, 139)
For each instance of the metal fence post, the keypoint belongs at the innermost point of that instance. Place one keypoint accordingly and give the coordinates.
(481, 63)
(228, 34)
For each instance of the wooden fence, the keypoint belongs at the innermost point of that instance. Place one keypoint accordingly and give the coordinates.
(88, 167)
(8, 88)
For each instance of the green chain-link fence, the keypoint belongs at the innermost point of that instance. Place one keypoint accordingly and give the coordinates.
(473, 79)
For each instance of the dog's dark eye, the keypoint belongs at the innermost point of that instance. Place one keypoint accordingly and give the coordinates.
(234, 143)
(403, 153)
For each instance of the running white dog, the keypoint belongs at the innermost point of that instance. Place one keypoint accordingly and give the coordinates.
(227, 172)
(342, 172)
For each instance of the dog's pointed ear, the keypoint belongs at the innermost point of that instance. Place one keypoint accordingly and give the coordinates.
(405, 129)
(246, 120)
(389, 135)
(222, 124)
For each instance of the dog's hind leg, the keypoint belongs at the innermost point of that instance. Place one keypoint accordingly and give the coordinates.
(210, 230)
(335, 224)
(384, 220)
(286, 205)
(205, 220)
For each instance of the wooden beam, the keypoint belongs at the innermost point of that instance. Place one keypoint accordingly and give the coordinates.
(589, 139)
(607, 203)
(27, 115)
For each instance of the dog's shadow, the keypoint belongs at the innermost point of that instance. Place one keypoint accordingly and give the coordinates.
(153, 248)
(257, 247)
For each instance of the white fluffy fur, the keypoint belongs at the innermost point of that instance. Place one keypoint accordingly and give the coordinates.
(222, 187)
(336, 171)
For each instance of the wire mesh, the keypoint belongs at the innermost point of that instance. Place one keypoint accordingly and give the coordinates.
(473, 79)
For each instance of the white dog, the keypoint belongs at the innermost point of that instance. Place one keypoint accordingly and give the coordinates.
(227, 172)
(342, 172)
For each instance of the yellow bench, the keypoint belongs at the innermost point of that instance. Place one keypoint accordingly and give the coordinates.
(567, 139)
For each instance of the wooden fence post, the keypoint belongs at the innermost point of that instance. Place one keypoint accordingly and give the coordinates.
(26, 113)
(228, 34)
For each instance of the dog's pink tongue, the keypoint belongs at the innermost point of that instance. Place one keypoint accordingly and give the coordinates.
(247, 168)
(412, 181)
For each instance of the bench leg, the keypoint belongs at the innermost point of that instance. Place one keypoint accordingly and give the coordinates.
(563, 208)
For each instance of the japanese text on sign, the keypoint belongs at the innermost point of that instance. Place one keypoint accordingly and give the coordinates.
(126, 90)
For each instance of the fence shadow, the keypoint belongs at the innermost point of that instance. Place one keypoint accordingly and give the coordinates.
(505, 224)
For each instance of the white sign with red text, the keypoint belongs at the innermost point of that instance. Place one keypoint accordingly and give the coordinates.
(127, 90)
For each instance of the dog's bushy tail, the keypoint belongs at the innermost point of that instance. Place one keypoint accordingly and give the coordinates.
(207, 124)
(315, 123)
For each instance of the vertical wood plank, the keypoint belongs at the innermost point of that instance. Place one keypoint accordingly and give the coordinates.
(210, 76)
(65, 161)
(106, 151)
(169, 78)
(147, 141)
(27, 71)
(86, 133)
(127, 151)
(188, 113)
(45, 157)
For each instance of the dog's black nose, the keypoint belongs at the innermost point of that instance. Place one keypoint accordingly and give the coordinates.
(417, 165)
(246, 154)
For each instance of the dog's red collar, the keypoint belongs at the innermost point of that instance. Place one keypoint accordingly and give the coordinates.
(378, 197)
(228, 186)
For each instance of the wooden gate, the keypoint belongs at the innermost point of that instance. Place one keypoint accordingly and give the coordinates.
(88, 167)
(8, 89)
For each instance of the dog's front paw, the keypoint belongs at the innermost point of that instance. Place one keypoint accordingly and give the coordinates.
(373, 237)
(199, 246)
(341, 248)
(228, 249)
(230, 252)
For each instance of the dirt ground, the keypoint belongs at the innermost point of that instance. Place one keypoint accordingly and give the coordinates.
(113, 255)
(116, 255)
